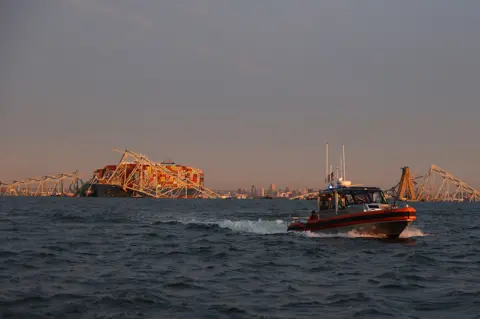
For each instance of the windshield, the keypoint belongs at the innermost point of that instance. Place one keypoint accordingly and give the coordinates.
(378, 197)
(364, 197)
(348, 197)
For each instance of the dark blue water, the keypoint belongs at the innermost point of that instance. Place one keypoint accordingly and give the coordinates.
(141, 258)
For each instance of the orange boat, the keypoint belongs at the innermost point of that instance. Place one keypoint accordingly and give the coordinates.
(343, 207)
(363, 209)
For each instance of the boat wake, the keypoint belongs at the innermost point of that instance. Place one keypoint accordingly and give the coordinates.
(412, 231)
(278, 226)
(259, 226)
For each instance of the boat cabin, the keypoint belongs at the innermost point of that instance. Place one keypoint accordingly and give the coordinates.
(350, 196)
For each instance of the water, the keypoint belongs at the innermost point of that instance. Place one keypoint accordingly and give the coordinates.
(142, 258)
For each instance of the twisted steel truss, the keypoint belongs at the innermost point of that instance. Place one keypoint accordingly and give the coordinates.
(451, 188)
(64, 184)
(436, 185)
(145, 183)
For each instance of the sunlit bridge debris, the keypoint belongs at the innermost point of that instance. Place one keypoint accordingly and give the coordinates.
(308, 196)
(64, 184)
(137, 176)
(437, 185)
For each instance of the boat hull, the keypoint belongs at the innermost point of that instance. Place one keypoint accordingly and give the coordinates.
(388, 223)
(385, 229)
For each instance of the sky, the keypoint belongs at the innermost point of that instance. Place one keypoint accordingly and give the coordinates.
(249, 91)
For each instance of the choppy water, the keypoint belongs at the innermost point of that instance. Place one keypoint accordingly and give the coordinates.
(141, 258)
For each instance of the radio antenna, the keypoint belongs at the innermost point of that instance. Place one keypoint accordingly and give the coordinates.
(327, 177)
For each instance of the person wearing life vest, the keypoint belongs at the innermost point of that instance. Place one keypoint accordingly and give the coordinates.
(313, 216)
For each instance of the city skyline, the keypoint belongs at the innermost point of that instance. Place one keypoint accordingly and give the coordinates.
(248, 91)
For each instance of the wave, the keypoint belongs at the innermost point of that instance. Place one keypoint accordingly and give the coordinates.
(259, 226)
(412, 231)
(279, 226)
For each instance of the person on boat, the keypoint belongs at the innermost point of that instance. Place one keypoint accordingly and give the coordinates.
(313, 216)
(342, 203)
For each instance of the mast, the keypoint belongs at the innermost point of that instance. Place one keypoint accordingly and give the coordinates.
(326, 164)
(330, 175)
(341, 168)
(344, 174)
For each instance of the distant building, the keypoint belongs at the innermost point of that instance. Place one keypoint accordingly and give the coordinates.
(253, 191)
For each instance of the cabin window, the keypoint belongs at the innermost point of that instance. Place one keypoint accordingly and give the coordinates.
(351, 197)
(361, 198)
(368, 197)
(379, 198)
(349, 200)
(324, 204)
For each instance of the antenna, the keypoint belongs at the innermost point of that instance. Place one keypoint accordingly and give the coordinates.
(344, 174)
(341, 168)
(326, 164)
(330, 175)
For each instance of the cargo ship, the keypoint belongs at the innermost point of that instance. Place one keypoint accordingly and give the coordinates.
(121, 180)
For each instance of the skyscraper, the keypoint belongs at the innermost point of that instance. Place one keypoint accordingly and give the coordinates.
(253, 191)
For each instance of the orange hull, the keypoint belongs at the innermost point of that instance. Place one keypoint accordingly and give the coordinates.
(389, 222)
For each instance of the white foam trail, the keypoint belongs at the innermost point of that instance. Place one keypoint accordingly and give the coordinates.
(249, 226)
(278, 226)
(412, 231)
(258, 227)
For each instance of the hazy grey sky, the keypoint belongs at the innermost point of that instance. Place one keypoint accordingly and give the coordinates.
(248, 90)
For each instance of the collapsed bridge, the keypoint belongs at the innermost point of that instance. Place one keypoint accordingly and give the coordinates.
(137, 176)
(437, 185)
(63, 184)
